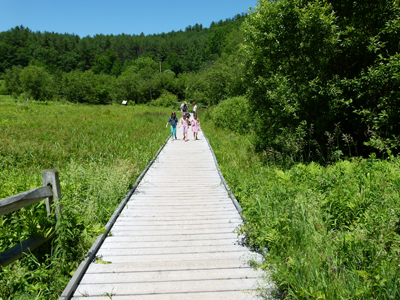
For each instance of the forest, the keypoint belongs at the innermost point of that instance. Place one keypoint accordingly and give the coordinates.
(303, 102)
(105, 69)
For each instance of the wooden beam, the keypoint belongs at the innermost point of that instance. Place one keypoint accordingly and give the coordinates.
(50, 178)
(16, 252)
(16, 202)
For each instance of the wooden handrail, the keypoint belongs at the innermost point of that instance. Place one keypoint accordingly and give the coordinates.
(24, 199)
(50, 192)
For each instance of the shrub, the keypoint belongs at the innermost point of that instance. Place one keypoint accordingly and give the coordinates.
(37, 82)
(232, 113)
(86, 87)
(165, 100)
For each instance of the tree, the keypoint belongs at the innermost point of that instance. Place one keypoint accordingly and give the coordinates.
(12, 81)
(37, 83)
(104, 63)
(86, 87)
(300, 56)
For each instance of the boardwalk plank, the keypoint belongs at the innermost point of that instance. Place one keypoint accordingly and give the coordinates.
(136, 227)
(171, 250)
(186, 237)
(118, 259)
(188, 286)
(151, 222)
(133, 277)
(179, 218)
(159, 266)
(180, 232)
(121, 244)
(237, 295)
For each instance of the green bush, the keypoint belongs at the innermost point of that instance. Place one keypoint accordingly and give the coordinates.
(86, 87)
(233, 114)
(12, 81)
(37, 83)
(3, 90)
(165, 100)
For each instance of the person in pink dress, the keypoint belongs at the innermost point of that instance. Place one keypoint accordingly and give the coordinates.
(195, 126)
(184, 122)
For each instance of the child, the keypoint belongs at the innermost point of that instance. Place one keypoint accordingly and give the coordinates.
(174, 122)
(185, 124)
(195, 126)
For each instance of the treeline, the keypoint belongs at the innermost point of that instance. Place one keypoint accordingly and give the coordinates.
(141, 82)
(181, 51)
(190, 65)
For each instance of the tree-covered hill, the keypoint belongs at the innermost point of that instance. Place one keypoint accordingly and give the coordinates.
(180, 51)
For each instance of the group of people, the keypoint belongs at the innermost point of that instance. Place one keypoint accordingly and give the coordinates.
(185, 122)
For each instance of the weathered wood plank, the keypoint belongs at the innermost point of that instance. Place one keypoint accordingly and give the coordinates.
(118, 259)
(114, 243)
(149, 266)
(134, 216)
(178, 203)
(133, 227)
(181, 195)
(159, 276)
(183, 232)
(50, 178)
(167, 218)
(151, 222)
(16, 202)
(9, 256)
(174, 199)
(188, 286)
(242, 295)
(161, 213)
(184, 229)
(182, 209)
(171, 238)
(171, 250)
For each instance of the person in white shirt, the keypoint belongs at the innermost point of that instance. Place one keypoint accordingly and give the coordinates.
(194, 108)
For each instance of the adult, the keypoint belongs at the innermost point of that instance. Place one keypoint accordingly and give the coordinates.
(185, 111)
(184, 108)
(194, 108)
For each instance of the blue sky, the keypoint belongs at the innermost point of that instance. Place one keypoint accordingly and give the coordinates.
(91, 17)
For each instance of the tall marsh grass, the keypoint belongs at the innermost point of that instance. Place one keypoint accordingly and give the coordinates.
(325, 232)
(98, 150)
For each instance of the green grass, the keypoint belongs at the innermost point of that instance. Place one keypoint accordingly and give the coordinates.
(98, 150)
(7, 99)
(326, 232)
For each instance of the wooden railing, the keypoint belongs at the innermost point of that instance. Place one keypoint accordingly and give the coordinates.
(49, 192)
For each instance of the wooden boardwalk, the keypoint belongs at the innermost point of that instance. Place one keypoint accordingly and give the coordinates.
(175, 238)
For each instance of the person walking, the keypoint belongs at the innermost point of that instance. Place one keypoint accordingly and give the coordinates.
(195, 126)
(174, 121)
(184, 122)
(194, 108)
(185, 111)
(184, 108)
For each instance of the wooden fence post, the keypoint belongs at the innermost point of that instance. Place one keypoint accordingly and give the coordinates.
(50, 177)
